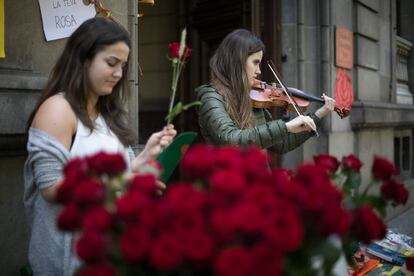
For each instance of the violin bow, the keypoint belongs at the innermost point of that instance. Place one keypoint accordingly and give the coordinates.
(272, 68)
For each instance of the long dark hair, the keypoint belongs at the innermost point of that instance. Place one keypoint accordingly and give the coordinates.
(228, 73)
(69, 75)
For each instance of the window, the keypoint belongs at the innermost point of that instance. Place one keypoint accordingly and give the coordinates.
(403, 152)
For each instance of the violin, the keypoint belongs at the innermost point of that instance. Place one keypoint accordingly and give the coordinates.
(264, 95)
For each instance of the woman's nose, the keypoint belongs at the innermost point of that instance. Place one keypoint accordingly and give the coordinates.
(258, 71)
(118, 72)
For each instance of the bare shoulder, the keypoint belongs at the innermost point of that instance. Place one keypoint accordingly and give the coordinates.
(56, 117)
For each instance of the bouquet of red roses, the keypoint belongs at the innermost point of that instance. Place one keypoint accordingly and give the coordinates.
(230, 215)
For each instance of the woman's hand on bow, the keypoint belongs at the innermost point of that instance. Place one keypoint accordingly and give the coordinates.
(301, 123)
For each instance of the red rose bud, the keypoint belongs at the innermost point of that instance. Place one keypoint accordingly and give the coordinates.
(91, 246)
(65, 192)
(199, 246)
(107, 163)
(351, 162)
(367, 226)
(133, 207)
(283, 228)
(70, 217)
(233, 261)
(166, 253)
(89, 192)
(80, 165)
(104, 268)
(198, 162)
(383, 169)
(395, 191)
(97, 218)
(227, 182)
(173, 50)
(266, 260)
(334, 220)
(328, 162)
(187, 52)
(143, 183)
(135, 243)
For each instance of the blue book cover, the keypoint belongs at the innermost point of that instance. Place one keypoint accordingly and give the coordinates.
(386, 254)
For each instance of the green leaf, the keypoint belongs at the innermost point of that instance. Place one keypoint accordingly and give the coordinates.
(379, 203)
(178, 108)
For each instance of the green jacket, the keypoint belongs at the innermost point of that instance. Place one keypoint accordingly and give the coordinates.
(218, 128)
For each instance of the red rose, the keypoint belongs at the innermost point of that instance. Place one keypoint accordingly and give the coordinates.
(394, 190)
(221, 224)
(266, 260)
(383, 169)
(309, 174)
(187, 52)
(97, 218)
(107, 163)
(135, 243)
(135, 208)
(182, 197)
(65, 192)
(70, 217)
(228, 182)
(79, 165)
(248, 218)
(183, 223)
(233, 261)
(281, 175)
(367, 226)
(256, 164)
(351, 162)
(146, 183)
(328, 162)
(174, 48)
(228, 157)
(283, 228)
(89, 192)
(91, 246)
(198, 161)
(409, 263)
(166, 253)
(199, 246)
(104, 268)
(334, 220)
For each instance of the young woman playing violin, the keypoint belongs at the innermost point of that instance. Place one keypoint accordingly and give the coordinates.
(227, 115)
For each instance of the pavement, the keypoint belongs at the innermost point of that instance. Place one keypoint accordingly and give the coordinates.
(403, 223)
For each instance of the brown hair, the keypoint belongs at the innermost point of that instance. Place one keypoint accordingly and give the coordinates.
(70, 76)
(228, 74)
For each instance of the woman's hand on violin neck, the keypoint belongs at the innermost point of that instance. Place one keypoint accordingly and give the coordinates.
(327, 108)
(301, 123)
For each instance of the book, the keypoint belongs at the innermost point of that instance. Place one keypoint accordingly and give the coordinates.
(172, 155)
(385, 253)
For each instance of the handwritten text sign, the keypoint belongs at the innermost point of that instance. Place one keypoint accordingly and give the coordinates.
(62, 17)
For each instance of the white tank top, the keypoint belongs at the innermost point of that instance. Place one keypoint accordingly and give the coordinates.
(100, 139)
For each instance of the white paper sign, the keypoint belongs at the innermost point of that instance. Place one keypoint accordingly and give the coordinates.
(62, 17)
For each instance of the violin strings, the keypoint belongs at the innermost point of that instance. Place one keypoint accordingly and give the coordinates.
(284, 88)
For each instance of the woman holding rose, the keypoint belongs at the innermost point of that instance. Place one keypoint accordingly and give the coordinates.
(80, 112)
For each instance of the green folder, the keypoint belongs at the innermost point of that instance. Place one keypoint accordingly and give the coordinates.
(171, 156)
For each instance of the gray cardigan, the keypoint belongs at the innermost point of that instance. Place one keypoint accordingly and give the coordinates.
(50, 250)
